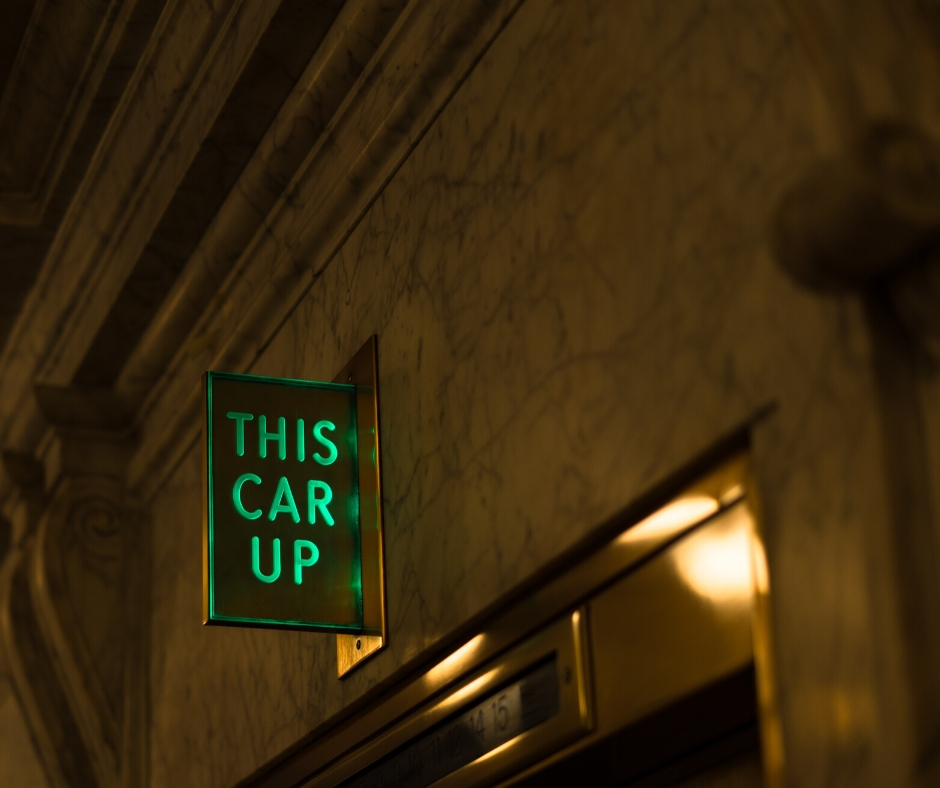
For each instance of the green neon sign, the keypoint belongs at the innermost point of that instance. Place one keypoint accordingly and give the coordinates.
(282, 533)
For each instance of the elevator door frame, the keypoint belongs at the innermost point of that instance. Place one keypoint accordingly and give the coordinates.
(622, 548)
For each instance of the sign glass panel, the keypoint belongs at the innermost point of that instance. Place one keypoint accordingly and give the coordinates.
(282, 510)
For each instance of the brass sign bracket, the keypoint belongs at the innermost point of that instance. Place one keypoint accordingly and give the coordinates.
(353, 650)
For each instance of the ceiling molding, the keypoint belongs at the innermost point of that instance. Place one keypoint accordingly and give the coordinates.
(153, 138)
(384, 116)
(333, 146)
(179, 85)
(61, 62)
(341, 58)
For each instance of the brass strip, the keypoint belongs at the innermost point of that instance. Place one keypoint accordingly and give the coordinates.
(352, 650)
(562, 639)
(696, 505)
(579, 622)
(771, 725)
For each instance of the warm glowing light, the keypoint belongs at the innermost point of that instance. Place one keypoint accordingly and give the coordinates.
(761, 575)
(497, 750)
(672, 519)
(732, 494)
(717, 565)
(468, 691)
(453, 665)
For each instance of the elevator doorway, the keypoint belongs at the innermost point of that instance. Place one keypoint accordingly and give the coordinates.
(642, 658)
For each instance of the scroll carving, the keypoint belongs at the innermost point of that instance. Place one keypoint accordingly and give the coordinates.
(73, 620)
(84, 576)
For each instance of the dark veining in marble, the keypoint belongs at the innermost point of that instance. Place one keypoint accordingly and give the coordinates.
(571, 286)
(292, 36)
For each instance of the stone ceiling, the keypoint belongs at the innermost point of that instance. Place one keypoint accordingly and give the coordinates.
(63, 66)
(72, 72)
(151, 151)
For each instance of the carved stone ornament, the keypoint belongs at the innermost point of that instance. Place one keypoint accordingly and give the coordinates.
(73, 619)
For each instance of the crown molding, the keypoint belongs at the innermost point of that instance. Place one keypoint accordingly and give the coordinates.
(343, 55)
(421, 63)
(49, 95)
(290, 211)
(180, 83)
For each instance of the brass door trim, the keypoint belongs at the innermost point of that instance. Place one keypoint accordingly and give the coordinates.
(352, 650)
(771, 724)
(722, 657)
(565, 640)
(693, 507)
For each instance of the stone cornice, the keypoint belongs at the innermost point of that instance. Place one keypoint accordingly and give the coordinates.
(293, 206)
(38, 95)
(352, 41)
(419, 66)
(178, 87)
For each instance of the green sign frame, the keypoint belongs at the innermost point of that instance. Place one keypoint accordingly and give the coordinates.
(291, 484)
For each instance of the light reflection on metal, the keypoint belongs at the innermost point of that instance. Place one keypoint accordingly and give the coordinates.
(761, 573)
(717, 565)
(454, 664)
(580, 634)
(684, 644)
(497, 750)
(731, 495)
(352, 650)
(554, 655)
(672, 519)
(467, 691)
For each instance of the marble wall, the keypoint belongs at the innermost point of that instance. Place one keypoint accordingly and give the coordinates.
(573, 292)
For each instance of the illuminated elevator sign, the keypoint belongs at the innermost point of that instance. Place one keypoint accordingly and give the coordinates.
(282, 541)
